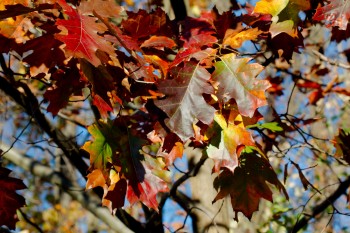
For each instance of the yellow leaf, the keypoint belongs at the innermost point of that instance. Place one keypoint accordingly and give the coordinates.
(272, 7)
(14, 27)
(235, 41)
(286, 26)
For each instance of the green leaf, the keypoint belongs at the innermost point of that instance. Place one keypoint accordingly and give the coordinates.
(116, 151)
(273, 126)
(104, 146)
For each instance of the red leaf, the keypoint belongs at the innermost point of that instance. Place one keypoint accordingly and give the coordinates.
(283, 45)
(336, 13)
(341, 90)
(236, 78)
(115, 151)
(103, 106)
(116, 195)
(102, 85)
(10, 201)
(309, 84)
(159, 42)
(81, 38)
(184, 102)
(145, 174)
(248, 184)
(67, 83)
(45, 51)
(142, 24)
(184, 55)
(128, 41)
(225, 21)
(315, 96)
(198, 33)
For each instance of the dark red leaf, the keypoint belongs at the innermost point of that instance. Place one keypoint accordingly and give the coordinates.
(116, 194)
(283, 45)
(248, 184)
(142, 24)
(45, 51)
(67, 83)
(10, 201)
(19, 9)
(102, 85)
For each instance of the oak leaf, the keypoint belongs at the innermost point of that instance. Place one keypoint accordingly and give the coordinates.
(247, 184)
(272, 7)
(80, 34)
(102, 84)
(141, 25)
(236, 78)
(236, 40)
(285, 14)
(14, 27)
(67, 83)
(223, 148)
(159, 42)
(184, 103)
(335, 14)
(103, 148)
(116, 149)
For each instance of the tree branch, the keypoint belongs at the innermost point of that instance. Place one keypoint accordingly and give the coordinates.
(332, 62)
(322, 206)
(179, 9)
(30, 104)
(87, 199)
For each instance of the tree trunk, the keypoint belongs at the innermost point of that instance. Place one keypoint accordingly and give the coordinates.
(211, 218)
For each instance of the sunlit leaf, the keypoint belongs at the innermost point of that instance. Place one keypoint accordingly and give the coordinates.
(184, 103)
(336, 13)
(80, 34)
(236, 78)
(236, 40)
(273, 126)
(224, 145)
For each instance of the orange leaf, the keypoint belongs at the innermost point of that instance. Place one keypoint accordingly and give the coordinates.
(159, 42)
(236, 40)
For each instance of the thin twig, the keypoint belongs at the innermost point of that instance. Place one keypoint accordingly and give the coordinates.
(341, 190)
(332, 62)
(33, 224)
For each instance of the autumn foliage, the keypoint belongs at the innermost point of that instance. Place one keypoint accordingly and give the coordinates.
(158, 85)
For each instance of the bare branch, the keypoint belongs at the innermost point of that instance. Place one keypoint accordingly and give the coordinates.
(322, 206)
(332, 62)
